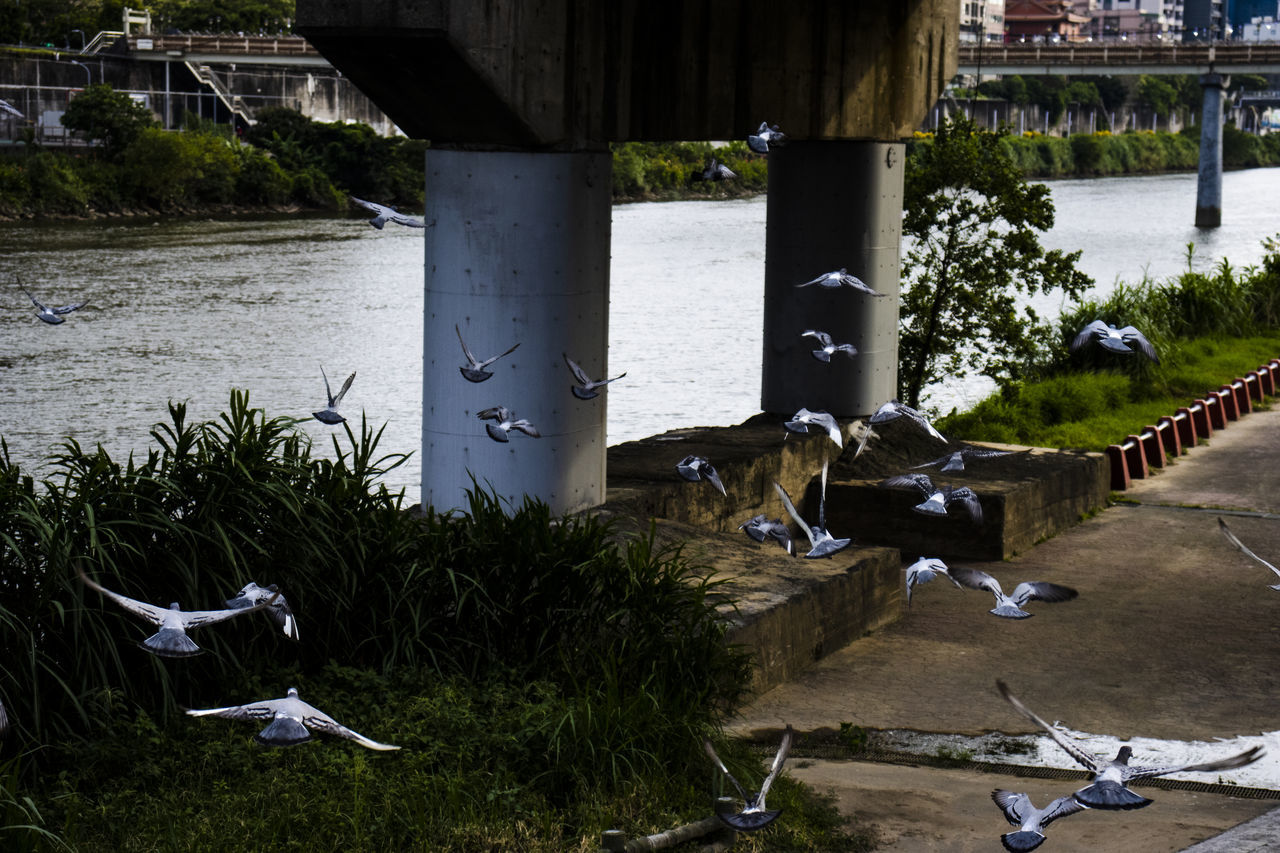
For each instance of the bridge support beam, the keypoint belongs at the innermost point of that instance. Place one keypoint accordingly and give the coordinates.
(1209, 185)
(832, 204)
(517, 251)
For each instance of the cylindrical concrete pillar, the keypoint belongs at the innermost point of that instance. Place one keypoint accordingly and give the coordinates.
(832, 205)
(1209, 185)
(517, 251)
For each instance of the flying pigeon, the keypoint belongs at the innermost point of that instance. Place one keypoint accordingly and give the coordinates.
(289, 718)
(171, 641)
(839, 277)
(695, 468)
(506, 422)
(761, 527)
(924, 570)
(52, 316)
(1010, 606)
(586, 387)
(828, 348)
(279, 610)
(474, 370)
(4, 722)
(955, 461)
(893, 409)
(765, 137)
(383, 214)
(1231, 537)
(716, 171)
(1110, 788)
(803, 419)
(754, 815)
(1031, 821)
(821, 542)
(938, 499)
(1114, 340)
(329, 414)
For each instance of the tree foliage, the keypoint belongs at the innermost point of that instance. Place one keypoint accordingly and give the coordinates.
(102, 113)
(972, 222)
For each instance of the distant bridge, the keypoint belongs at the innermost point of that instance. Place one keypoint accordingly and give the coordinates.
(1122, 59)
(212, 49)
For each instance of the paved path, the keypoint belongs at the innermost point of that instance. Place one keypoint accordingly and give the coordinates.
(1175, 635)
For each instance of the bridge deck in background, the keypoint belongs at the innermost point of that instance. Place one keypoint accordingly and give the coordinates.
(1076, 59)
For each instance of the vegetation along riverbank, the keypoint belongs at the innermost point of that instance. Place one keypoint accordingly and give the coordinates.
(289, 162)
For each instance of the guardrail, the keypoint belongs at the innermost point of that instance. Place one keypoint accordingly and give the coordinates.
(230, 44)
(1172, 435)
(1066, 53)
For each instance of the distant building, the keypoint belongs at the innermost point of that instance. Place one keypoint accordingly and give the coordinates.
(1044, 20)
(1127, 20)
(1203, 20)
(1243, 13)
(981, 20)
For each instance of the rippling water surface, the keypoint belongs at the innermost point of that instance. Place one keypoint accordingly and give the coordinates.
(189, 309)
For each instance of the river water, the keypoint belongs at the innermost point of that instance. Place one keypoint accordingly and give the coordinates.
(187, 309)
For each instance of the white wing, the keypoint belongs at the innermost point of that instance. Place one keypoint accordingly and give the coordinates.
(791, 511)
(1086, 760)
(150, 612)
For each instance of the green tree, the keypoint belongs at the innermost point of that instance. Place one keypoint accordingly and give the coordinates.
(102, 113)
(972, 222)
(1156, 93)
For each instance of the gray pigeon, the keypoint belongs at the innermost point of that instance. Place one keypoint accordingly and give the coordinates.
(955, 461)
(586, 387)
(765, 138)
(761, 528)
(755, 814)
(383, 214)
(696, 468)
(1231, 537)
(505, 423)
(171, 641)
(1010, 606)
(277, 607)
(893, 410)
(52, 316)
(474, 369)
(803, 419)
(1110, 787)
(839, 278)
(924, 570)
(717, 171)
(1031, 821)
(821, 542)
(1111, 339)
(289, 720)
(828, 347)
(329, 414)
(939, 499)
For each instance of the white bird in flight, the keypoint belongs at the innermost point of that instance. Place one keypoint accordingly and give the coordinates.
(828, 348)
(1031, 821)
(821, 542)
(171, 641)
(1231, 537)
(505, 423)
(955, 461)
(893, 410)
(765, 137)
(1123, 340)
(697, 468)
(841, 277)
(474, 369)
(290, 722)
(383, 214)
(52, 316)
(755, 814)
(1010, 606)
(938, 499)
(586, 387)
(329, 414)
(277, 607)
(803, 419)
(924, 570)
(1110, 787)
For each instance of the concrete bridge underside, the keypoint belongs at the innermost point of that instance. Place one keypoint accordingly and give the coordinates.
(520, 100)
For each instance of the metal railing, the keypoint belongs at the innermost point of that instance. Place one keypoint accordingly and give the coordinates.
(231, 101)
(229, 44)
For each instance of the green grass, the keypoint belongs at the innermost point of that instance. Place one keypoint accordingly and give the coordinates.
(1090, 410)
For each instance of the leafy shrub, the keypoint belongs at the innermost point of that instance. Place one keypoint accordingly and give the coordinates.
(260, 180)
(54, 185)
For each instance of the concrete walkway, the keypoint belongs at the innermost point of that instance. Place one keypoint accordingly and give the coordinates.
(1175, 635)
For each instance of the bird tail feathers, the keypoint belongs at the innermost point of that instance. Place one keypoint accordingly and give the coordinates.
(1021, 841)
(283, 731)
(1110, 795)
(171, 643)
